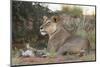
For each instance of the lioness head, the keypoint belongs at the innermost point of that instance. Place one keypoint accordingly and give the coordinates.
(49, 25)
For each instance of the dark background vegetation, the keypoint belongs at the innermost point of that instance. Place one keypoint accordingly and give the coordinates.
(27, 18)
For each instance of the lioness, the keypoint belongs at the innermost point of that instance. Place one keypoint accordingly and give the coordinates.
(60, 40)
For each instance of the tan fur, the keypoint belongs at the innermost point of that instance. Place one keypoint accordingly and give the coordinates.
(60, 40)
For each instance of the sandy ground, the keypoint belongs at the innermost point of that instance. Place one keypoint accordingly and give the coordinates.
(58, 59)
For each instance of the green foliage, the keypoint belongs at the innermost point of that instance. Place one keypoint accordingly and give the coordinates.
(52, 53)
(73, 11)
(92, 38)
(66, 9)
(26, 21)
(76, 11)
(82, 33)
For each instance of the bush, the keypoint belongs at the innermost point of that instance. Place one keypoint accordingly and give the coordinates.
(73, 11)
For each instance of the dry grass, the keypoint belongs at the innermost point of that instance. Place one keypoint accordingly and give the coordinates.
(59, 59)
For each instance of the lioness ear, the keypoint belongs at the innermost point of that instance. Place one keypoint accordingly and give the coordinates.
(55, 18)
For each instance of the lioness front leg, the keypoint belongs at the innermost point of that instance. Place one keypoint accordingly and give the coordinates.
(61, 51)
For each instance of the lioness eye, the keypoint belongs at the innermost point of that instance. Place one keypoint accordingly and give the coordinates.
(48, 22)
